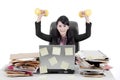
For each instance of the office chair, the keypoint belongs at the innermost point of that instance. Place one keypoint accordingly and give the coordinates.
(73, 26)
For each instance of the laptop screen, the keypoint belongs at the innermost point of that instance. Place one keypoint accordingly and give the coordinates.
(56, 57)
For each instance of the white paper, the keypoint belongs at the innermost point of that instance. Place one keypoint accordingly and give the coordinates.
(53, 61)
(56, 51)
(92, 54)
(64, 65)
(43, 69)
(43, 51)
(68, 51)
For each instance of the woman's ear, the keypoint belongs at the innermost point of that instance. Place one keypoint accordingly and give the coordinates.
(68, 27)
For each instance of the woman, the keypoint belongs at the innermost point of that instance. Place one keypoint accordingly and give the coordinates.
(63, 35)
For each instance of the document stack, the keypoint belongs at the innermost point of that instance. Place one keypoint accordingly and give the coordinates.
(92, 63)
(22, 65)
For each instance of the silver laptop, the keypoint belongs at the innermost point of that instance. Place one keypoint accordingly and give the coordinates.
(57, 58)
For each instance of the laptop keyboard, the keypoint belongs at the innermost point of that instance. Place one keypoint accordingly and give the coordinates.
(60, 71)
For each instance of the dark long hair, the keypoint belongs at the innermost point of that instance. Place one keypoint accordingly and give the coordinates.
(56, 37)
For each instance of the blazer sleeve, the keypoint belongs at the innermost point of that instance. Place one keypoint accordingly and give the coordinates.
(40, 34)
(86, 34)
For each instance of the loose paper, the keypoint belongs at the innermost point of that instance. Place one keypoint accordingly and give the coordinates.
(92, 54)
(53, 61)
(43, 69)
(43, 51)
(68, 51)
(56, 51)
(64, 65)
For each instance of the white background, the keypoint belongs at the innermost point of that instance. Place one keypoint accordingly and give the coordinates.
(17, 28)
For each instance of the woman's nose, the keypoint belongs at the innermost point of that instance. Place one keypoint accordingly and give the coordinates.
(62, 28)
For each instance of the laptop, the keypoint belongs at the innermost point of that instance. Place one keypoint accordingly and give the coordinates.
(57, 59)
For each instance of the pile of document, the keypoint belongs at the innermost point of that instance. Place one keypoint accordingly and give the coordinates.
(92, 63)
(22, 66)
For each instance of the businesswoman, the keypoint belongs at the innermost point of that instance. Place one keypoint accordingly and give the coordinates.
(63, 35)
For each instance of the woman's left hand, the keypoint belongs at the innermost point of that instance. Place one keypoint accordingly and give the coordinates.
(87, 19)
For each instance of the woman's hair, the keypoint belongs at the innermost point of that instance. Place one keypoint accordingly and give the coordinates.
(56, 35)
(63, 19)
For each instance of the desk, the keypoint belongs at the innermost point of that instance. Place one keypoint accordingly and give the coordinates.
(75, 76)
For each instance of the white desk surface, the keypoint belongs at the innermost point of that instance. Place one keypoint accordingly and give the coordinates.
(75, 76)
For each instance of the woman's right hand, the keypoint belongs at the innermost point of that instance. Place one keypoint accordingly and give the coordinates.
(40, 16)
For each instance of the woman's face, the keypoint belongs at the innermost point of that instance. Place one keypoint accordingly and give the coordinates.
(62, 28)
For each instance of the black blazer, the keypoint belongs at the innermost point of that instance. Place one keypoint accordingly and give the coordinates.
(50, 37)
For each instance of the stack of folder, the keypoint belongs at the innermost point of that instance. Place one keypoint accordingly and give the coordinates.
(92, 63)
(22, 65)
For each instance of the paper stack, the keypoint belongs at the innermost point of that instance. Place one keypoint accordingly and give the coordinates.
(22, 65)
(92, 63)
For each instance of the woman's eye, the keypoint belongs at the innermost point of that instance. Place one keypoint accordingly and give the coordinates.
(59, 25)
(64, 25)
